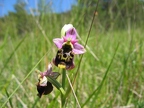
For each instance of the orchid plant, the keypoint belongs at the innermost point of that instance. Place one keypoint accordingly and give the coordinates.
(68, 47)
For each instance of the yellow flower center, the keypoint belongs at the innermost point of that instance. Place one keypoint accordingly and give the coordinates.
(61, 66)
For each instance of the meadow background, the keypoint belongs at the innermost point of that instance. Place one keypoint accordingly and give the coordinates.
(111, 73)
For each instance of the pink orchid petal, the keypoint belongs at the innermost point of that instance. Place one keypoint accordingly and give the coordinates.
(71, 33)
(48, 72)
(49, 68)
(74, 41)
(58, 42)
(78, 48)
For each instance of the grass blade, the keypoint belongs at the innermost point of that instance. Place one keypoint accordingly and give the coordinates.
(97, 91)
(5, 64)
(75, 76)
(73, 91)
(21, 82)
(9, 99)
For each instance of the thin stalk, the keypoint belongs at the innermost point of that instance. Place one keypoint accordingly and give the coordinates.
(94, 14)
(86, 42)
(97, 91)
(68, 91)
(73, 90)
(10, 101)
(63, 85)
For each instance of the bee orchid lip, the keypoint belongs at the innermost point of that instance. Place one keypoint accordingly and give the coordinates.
(64, 58)
(44, 90)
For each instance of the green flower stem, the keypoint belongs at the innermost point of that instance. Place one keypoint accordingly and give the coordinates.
(63, 85)
(63, 78)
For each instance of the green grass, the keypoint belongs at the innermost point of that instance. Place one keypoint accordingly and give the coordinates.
(111, 73)
(121, 83)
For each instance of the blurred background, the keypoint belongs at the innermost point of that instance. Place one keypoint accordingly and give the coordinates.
(21, 14)
(27, 28)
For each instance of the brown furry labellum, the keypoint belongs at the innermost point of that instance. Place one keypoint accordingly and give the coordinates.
(64, 57)
(44, 90)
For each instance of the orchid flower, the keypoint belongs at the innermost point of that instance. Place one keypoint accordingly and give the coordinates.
(44, 87)
(69, 37)
(68, 46)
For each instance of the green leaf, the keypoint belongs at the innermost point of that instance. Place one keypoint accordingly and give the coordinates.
(56, 84)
